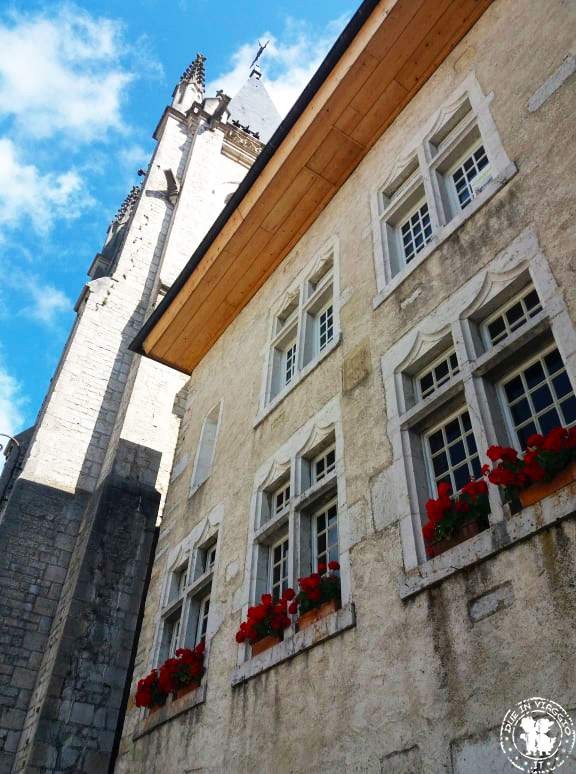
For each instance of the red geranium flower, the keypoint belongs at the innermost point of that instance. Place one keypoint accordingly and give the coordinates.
(333, 565)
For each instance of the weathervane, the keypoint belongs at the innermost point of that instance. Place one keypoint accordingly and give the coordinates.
(260, 51)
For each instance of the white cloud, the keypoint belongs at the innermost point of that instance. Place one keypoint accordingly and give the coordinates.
(12, 404)
(47, 301)
(62, 73)
(28, 195)
(288, 62)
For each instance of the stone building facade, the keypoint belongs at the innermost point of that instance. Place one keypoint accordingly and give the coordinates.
(392, 279)
(82, 491)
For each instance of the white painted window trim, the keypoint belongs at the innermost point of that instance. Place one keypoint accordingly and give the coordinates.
(296, 455)
(194, 483)
(458, 316)
(299, 289)
(443, 226)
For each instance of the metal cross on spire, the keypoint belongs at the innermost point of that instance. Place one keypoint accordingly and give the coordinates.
(259, 53)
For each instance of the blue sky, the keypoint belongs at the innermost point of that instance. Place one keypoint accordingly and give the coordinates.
(81, 88)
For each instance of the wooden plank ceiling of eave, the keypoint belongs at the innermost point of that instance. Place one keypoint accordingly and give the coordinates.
(398, 48)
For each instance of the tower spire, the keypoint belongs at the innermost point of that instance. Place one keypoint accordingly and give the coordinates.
(190, 88)
(195, 72)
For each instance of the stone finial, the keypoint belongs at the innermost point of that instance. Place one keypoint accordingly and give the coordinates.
(195, 72)
(127, 206)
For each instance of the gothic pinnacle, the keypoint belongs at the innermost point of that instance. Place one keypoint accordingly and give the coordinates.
(195, 71)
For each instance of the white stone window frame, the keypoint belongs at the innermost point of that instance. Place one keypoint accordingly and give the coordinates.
(459, 319)
(501, 312)
(191, 551)
(295, 317)
(198, 479)
(420, 167)
(295, 456)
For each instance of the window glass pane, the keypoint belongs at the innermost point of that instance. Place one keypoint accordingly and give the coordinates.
(562, 385)
(436, 441)
(534, 374)
(569, 410)
(461, 477)
(457, 453)
(533, 397)
(553, 362)
(549, 420)
(440, 462)
(452, 430)
(465, 174)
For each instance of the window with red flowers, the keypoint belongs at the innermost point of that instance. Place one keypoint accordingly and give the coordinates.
(185, 614)
(297, 522)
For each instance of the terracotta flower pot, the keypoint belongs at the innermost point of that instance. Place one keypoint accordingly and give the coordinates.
(263, 644)
(317, 613)
(465, 532)
(542, 489)
(185, 689)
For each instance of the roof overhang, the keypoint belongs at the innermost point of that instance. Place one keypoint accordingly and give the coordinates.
(382, 58)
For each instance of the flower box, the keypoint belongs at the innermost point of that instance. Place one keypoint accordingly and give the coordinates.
(542, 489)
(317, 613)
(264, 643)
(184, 690)
(462, 533)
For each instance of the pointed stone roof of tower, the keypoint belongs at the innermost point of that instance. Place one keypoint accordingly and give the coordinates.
(195, 72)
(253, 110)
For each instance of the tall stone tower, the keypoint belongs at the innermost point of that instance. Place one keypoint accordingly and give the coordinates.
(81, 493)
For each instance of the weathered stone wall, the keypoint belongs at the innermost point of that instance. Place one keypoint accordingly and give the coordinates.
(75, 705)
(417, 685)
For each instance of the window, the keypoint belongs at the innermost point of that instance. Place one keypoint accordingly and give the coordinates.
(206, 448)
(498, 344)
(202, 619)
(325, 327)
(304, 330)
(512, 316)
(185, 614)
(451, 453)
(467, 178)
(324, 464)
(415, 232)
(278, 577)
(281, 499)
(325, 534)
(436, 375)
(457, 163)
(296, 524)
(539, 396)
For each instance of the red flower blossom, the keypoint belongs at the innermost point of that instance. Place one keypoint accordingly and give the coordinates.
(288, 594)
(266, 599)
(333, 565)
(505, 453)
(535, 441)
(322, 568)
(293, 607)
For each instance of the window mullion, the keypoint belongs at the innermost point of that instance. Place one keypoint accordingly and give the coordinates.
(481, 414)
(436, 208)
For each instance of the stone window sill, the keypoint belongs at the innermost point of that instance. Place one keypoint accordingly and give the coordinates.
(300, 642)
(169, 711)
(498, 537)
(445, 232)
(300, 376)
